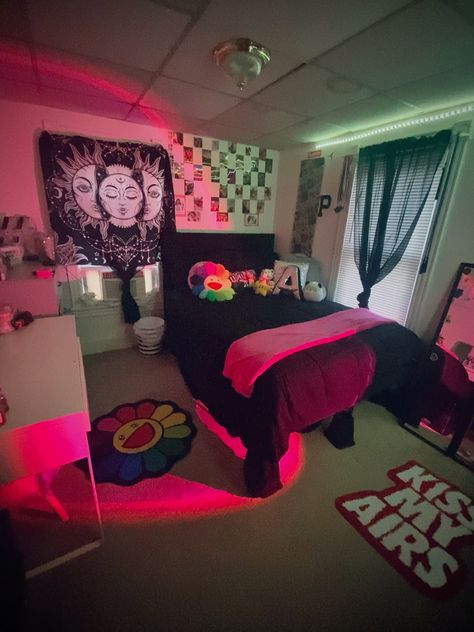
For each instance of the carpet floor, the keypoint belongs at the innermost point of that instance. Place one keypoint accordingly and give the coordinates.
(289, 563)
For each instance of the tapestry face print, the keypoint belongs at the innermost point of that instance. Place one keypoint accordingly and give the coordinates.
(109, 202)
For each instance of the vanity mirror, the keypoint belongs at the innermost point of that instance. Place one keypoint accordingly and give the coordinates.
(455, 332)
(446, 408)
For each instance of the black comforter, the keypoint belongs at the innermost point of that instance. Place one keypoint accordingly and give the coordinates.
(199, 334)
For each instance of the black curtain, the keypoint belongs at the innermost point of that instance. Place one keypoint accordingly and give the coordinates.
(392, 184)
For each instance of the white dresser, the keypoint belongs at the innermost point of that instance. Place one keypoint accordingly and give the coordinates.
(42, 377)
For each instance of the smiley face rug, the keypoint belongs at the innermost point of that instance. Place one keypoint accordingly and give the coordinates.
(139, 440)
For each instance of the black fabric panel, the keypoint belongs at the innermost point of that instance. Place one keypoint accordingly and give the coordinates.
(235, 251)
(199, 333)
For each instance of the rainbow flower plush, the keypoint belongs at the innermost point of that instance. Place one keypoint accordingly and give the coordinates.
(210, 280)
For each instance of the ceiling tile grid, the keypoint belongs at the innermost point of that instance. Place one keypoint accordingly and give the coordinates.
(438, 91)
(306, 28)
(138, 33)
(193, 62)
(16, 63)
(14, 22)
(424, 39)
(306, 92)
(172, 95)
(257, 117)
(373, 111)
(83, 103)
(336, 67)
(84, 75)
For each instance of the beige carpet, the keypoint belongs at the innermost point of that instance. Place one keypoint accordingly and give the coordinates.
(289, 564)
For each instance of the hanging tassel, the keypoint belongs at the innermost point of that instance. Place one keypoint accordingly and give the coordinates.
(131, 312)
(363, 298)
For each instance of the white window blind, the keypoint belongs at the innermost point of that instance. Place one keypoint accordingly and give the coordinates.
(390, 297)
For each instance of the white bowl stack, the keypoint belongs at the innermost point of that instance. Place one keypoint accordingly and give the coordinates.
(149, 333)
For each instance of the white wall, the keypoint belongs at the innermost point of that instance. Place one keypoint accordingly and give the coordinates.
(455, 245)
(20, 177)
(456, 239)
(22, 192)
(21, 181)
(327, 226)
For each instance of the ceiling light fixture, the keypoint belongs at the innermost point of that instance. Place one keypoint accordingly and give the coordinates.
(428, 118)
(241, 59)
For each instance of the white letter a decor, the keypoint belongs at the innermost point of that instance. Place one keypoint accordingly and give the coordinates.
(289, 282)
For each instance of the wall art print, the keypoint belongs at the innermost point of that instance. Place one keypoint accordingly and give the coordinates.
(309, 188)
(109, 202)
(220, 182)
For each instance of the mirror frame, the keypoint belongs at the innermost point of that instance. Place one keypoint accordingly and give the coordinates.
(449, 300)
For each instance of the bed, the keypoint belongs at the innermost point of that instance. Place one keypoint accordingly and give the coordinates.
(296, 392)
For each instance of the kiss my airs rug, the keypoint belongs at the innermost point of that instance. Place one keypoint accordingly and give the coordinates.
(139, 440)
(418, 525)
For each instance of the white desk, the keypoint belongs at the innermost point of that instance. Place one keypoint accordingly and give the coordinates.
(25, 292)
(42, 377)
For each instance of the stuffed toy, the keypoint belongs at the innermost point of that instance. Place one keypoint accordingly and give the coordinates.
(210, 280)
(266, 276)
(261, 288)
(314, 291)
(242, 278)
(265, 284)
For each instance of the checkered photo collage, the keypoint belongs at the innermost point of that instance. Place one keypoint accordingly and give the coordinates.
(219, 178)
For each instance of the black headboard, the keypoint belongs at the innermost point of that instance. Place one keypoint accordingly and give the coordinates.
(236, 251)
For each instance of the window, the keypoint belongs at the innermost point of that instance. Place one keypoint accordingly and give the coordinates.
(390, 297)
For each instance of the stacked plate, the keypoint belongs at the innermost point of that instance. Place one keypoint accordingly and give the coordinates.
(149, 333)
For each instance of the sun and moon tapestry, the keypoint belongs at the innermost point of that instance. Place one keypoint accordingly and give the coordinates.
(109, 202)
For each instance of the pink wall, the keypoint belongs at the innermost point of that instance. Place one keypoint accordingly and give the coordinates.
(21, 181)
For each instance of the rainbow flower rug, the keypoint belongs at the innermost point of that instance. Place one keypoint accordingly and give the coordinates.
(139, 440)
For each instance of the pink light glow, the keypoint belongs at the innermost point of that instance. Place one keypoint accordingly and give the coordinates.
(17, 59)
(250, 356)
(171, 497)
(168, 497)
(436, 432)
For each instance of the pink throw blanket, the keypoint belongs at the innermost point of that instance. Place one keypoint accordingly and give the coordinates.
(250, 356)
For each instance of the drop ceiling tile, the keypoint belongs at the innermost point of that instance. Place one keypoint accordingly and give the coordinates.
(439, 91)
(306, 92)
(172, 95)
(137, 33)
(312, 131)
(169, 120)
(424, 39)
(228, 132)
(18, 91)
(372, 112)
(162, 120)
(16, 63)
(76, 73)
(306, 27)
(257, 117)
(465, 8)
(14, 20)
(193, 62)
(279, 142)
(193, 7)
(83, 103)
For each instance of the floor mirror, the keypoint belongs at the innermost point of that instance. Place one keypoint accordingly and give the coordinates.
(455, 337)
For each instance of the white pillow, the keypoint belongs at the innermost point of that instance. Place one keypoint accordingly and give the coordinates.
(280, 265)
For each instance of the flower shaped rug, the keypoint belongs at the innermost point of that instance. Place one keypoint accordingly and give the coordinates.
(139, 440)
